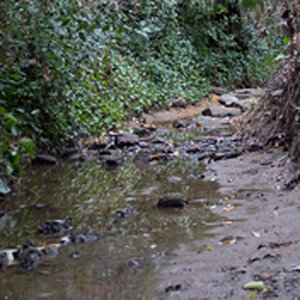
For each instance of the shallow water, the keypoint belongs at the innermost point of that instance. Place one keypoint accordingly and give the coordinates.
(125, 263)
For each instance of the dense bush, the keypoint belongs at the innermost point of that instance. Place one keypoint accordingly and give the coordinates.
(69, 67)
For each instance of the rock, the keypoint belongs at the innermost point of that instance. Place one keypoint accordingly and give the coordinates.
(249, 103)
(143, 131)
(181, 124)
(51, 250)
(178, 102)
(111, 161)
(229, 100)
(127, 213)
(221, 112)
(207, 112)
(82, 238)
(135, 263)
(75, 255)
(277, 93)
(142, 159)
(218, 90)
(4, 188)
(126, 140)
(8, 256)
(56, 227)
(67, 152)
(174, 179)
(249, 93)
(74, 157)
(171, 200)
(4, 220)
(30, 257)
(45, 159)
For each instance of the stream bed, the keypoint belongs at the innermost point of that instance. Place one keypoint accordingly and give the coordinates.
(125, 262)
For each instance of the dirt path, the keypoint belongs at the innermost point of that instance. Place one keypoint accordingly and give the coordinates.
(260, 241)
(261, 214)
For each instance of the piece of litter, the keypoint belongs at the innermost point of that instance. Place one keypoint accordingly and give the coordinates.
(255, 234)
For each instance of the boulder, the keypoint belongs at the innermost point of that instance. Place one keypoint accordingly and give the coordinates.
(171, 200)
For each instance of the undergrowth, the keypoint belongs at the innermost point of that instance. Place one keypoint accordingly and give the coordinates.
(72, 68)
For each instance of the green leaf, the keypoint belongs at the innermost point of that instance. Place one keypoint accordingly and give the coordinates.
(254, 285)
(27, 144)
(286, 40)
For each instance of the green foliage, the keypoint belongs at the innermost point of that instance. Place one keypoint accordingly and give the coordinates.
(69, 68)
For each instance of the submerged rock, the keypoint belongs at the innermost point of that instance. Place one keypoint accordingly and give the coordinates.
(45, 159)
(126, 140)
(4, 188)
(111, 161)
(171, 200)
(30, 257)
(56, 226)
(82, 238)
(127, 213)
(67, 152)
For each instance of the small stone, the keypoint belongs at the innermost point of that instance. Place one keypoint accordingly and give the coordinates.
(82, 238)
(75, 255)
(174, 179)
(127, 213)
(207, 112)
(181, 124)
(171, 200)
(264, 276)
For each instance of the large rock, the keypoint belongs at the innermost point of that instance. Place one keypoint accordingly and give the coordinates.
(171, 200)
(229, 100)
(221, 111)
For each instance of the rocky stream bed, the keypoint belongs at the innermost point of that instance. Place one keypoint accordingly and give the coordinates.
(171, 208)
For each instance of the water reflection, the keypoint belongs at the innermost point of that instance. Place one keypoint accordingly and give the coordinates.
(91, 195)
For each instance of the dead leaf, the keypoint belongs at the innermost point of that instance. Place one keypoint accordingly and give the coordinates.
(229, 208)
(228, 240)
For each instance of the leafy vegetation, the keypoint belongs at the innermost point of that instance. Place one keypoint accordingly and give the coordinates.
(70, 68)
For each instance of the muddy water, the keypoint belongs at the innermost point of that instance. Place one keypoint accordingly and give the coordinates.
(125, 262)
